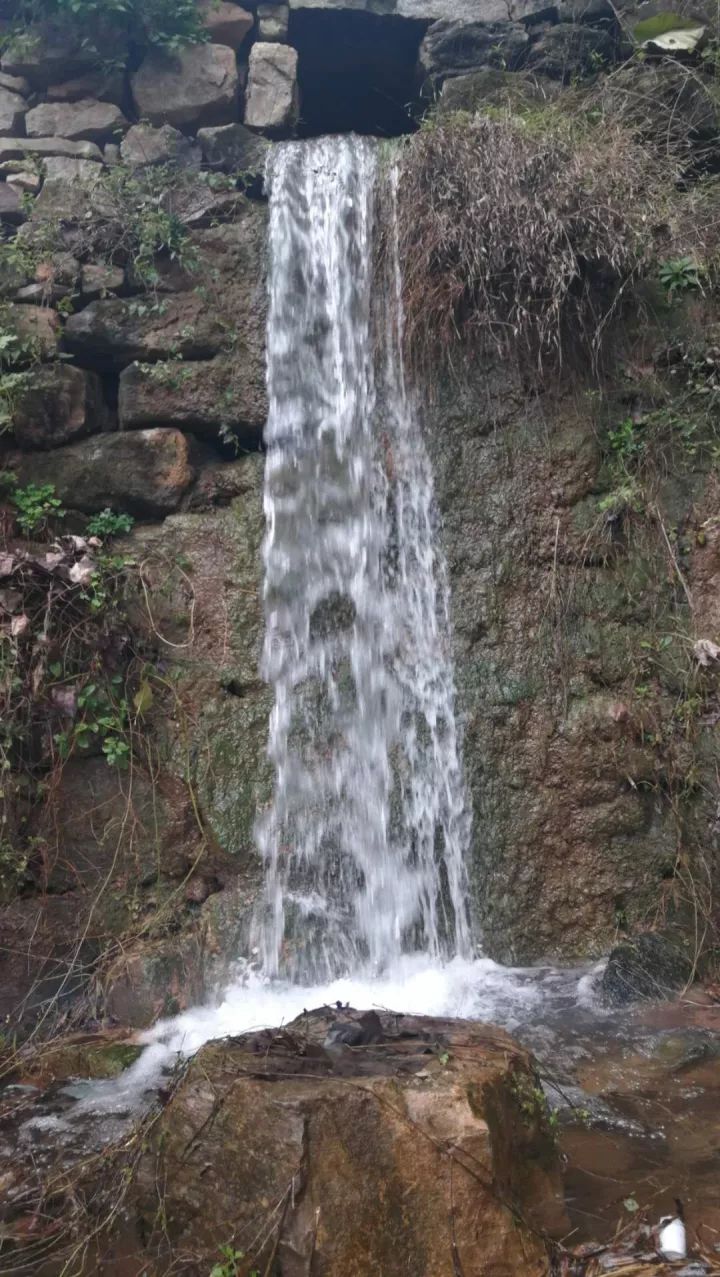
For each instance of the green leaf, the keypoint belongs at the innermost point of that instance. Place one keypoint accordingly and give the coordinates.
(631, 1205)
(143, 699)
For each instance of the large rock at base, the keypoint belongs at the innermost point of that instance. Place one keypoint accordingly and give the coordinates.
(649, 967)
(221, 397)
(404, 1156)
(453, 48)
(568, 50)
(226, 23)
(85, 121)
(234, 149)
(198, 86)
(144, 145)
(143, 472)
(272, 100)
(12, 110)
(117, 331)
(60, 404)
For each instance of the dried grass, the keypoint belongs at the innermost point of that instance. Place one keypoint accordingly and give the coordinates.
(524, 233)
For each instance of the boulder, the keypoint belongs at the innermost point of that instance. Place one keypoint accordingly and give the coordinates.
(86, 120)
(117, 331)
(18, 147)
(12, 111)
(226, 23)
(60, 404)
(144, 144)
(198, 86)
(234, 149)
(11, 205)
(221, 397)
(650, 967)
(493, 88)
(24, 182)
(358, 1165)
(98, 281)
(144, 472)
(272, 100)
(273, 21)
(453, 48)
(65, 171)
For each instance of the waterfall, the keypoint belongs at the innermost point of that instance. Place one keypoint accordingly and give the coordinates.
(365, 840)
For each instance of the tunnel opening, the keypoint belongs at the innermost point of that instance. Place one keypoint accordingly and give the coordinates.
(357, 72)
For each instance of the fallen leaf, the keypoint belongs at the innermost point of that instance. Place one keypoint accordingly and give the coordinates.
(19, 625)
(82, 573)
(7, 564)
(705, 651)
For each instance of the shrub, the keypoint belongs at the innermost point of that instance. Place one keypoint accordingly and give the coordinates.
(520, 232)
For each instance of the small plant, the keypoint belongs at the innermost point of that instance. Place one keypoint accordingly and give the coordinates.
(102, 717)
(107, 524)
(35, 505)
(680, 275)
(230, 1266)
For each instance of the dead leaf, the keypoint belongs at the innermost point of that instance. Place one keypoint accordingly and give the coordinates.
(705, 652)
(19, 625)
(65, 700)
(7, 564)
(82, 573)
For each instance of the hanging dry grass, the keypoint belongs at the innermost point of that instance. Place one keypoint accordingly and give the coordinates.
(521, 233)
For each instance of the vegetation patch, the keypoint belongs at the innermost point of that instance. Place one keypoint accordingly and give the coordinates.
(163, 24)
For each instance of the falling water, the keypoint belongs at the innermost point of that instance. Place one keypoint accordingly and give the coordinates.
(365, 840)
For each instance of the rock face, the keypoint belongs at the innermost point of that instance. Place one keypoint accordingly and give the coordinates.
(463, 1171)
(272, 93)
(197, 87)
(145, 472)
(60, 404)
(650, 967)
(144, 144)
(114, 332)
(234, 149)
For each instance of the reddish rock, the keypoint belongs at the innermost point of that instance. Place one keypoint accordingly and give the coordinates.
(198, 86)
(60, 404)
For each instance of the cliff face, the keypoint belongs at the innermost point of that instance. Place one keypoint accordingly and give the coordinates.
(132, 278)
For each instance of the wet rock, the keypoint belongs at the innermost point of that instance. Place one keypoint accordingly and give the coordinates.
(382, 1114)
(60, 404)
(451, 48)
(226, 23)
(272, 91)
(273, 20)
(144, 144)
(649, 967)
(84, 121)
(218, 398)
(116, 331)
(145, 472)
(12, 112)
(196, 87)
(234, 149)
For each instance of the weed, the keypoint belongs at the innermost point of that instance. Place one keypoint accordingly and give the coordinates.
(36, 504)
(107, 524)
(680, 275)
(231, 1263)
(164, 24)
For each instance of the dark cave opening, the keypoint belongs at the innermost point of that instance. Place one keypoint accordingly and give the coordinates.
(357, 71)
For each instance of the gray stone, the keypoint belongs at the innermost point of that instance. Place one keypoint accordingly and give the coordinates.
(273, 20)
(61, 168)
(145, 472)
(15, 83)
(25, 182)
(199, 86)
(272, 91)
(220, 397)
(53, 51)
(37, 325)
(566, 51)
(98, 281)
(11, 205)
(60, 404)
(226, 23)
(145, 144)
(493, 88)
(461, 11)
(651, 966)
(12, 111)
(18, 147)
(234, 149)
(103, 86)
(451, 48)
(87, 120)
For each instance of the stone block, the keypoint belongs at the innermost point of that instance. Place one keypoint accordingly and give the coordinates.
(60, 404)
(115, 332)
(38, 325)
(17, 148)
(234, 149)
(15, 83)
(209, 398)
(87, 120)
(273, 21)
(105, 86)
(197, 87)
(272, 100)
(11, 205)
(66, 171)
(55, 51)
(98, 281)
(145, 472)
(226, 23)
(145, 144)
(12, 111)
